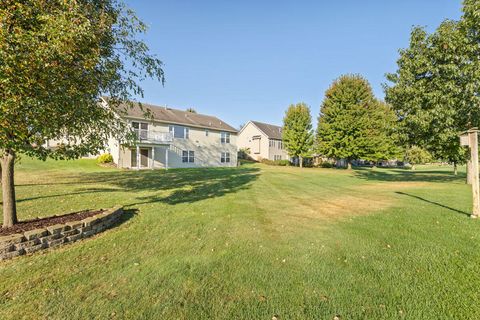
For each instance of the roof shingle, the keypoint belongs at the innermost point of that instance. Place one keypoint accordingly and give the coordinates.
(175, 116)
(272, 131)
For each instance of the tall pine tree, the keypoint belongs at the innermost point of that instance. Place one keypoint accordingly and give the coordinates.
(353, 124)
(297, 131)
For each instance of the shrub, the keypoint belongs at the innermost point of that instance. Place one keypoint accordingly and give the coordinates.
(267, 161)
(244, 153)
(416, 155)
(105, 158)
(275, 162)
(282, 163)
(326, 165)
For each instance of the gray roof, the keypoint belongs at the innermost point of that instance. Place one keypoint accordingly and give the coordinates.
(272, 131)
(175, 116)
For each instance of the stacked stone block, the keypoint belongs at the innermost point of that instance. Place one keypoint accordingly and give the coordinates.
(56, 235)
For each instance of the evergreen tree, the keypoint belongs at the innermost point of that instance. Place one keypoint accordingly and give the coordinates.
(353, 124)
(297, 131)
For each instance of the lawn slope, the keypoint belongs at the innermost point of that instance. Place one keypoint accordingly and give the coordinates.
(248, 243)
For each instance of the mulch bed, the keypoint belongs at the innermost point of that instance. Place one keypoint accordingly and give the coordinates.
(39, 223)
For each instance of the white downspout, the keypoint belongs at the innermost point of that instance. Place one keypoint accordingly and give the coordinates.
(166, 158)
(138, 157)
(153, 158)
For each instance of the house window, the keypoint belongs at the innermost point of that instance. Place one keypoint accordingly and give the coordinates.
(140, 129)
(188, 156)
(279, 143)
(225, 137)
(271, 143)
(277, 157)
(225, 157)
(179, 131)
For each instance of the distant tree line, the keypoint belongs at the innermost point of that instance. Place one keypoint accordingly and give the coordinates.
(432, 97)
(352, 125)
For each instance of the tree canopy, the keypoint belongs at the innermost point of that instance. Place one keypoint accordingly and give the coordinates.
(416, 155)
(353, 124)
(297, 131)
(435, 91)
(57, 58)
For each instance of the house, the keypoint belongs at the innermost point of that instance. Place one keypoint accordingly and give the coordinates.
(264, 141)
(174, 138)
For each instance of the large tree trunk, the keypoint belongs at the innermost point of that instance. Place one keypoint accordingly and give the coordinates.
(300, 161)
(8, 189)
(455, 169)
(349, 164)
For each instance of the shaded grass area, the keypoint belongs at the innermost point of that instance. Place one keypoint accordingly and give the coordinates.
(250, 242)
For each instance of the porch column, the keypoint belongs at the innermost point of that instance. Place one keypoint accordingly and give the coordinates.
(138, 157)
(166, 158)
(153, 157)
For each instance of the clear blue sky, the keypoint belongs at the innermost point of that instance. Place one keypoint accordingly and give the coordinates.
(248, 60)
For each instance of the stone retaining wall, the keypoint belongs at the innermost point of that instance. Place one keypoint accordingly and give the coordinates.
(53, 236)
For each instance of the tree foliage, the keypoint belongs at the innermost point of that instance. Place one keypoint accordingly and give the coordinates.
(435, 91)
(353, 124)
(57, 57)
(416, 155)
(297, 131)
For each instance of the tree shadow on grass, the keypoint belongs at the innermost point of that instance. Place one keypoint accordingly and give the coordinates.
(181, 185)
(432, 202)
(405, 175)
(127, 215)
(92, 190)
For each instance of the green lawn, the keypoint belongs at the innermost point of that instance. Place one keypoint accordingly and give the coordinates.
(248, 243)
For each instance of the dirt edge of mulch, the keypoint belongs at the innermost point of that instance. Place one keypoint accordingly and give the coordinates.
(40, 223)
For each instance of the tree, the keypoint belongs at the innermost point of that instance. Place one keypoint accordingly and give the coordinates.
(57, 57)
(353, 124)
(297, 131)
(435, 91)
(191, 110)
(416, 155)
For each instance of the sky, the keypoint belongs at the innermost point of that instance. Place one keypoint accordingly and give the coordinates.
(250, 59)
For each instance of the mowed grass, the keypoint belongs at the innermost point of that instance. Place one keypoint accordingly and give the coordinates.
(250, 243)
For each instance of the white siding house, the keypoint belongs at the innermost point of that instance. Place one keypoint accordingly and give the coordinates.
(175, 139)
(263, 140)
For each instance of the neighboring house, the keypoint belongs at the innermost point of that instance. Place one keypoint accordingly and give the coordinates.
(172, 138)
(175, 139)
(263, 140)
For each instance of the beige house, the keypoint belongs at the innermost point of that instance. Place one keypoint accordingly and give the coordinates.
(264, 141)
(175, 139)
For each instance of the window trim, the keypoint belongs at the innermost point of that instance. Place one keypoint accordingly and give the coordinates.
(188, 156)
(186, 131)
(224, 158)
(224, 137)
(142, 134)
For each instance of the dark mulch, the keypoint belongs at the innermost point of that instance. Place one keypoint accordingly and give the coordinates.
(38, 223)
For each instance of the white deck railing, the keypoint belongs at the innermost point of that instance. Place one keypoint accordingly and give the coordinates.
(154, 136)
